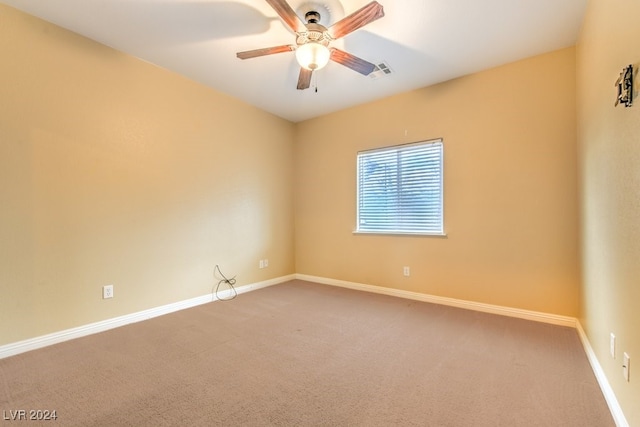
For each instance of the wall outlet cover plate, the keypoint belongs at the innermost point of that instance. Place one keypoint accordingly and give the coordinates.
(107, 291)
(625, 366)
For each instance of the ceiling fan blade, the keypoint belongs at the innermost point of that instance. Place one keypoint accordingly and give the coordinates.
(351, 61)
(265, 51)
(357, 19)
(287, 14)
(304, 80)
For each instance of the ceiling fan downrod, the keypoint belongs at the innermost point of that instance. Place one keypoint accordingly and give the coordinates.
(312, 17)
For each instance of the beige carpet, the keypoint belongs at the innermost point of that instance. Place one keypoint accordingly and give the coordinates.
(307, 354)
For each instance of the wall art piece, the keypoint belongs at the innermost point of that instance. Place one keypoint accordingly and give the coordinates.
(625, 87)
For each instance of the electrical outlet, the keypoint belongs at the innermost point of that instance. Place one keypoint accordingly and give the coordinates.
(625, 366)
(107, 291)
(266, 263)
(406, 271)
(612, 345)
(261, 264)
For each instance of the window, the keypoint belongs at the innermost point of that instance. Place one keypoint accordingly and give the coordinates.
(400, 189)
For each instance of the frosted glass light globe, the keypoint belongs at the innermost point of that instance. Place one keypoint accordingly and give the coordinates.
(312, 55)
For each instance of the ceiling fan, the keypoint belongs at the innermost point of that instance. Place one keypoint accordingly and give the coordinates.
(313, 39)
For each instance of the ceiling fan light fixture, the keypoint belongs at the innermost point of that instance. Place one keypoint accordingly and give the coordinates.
(312, 55)
(313, 38)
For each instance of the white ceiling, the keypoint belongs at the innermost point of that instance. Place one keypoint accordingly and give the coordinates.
(423, 41)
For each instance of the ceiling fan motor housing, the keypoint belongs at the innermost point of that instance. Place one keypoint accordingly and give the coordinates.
(315, 33)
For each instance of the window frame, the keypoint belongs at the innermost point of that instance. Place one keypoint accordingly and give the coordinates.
(439, 232)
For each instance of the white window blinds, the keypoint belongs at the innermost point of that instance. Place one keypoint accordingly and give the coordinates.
(400, 189)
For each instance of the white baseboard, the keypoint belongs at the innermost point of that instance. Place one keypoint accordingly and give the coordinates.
(93, 328)
(607, 391)
(469, 305)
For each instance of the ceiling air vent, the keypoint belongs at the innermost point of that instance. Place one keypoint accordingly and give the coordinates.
(382, 70)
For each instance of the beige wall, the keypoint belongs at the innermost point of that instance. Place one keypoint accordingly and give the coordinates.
(609, 140)
(510, 189)
(113, 171)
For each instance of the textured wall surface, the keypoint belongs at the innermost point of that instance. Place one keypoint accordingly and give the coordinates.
(609, 141)
(114, 171)
(510, 189)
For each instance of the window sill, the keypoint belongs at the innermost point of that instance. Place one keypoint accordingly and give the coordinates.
(400, 233)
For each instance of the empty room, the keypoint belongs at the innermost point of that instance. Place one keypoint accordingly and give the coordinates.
(342, 212)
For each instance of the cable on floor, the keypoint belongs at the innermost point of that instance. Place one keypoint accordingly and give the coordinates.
(229, 282)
